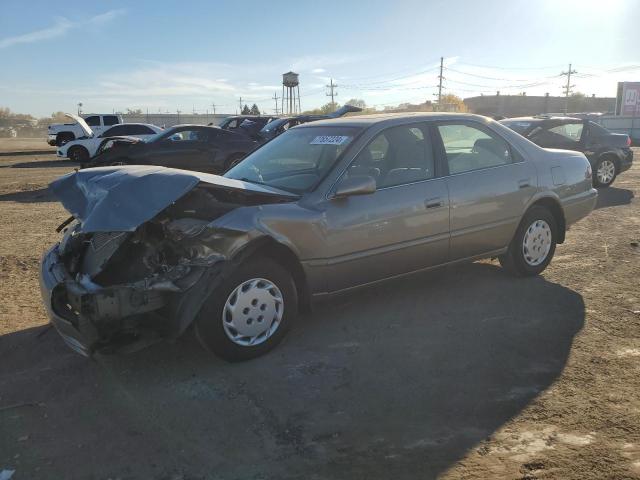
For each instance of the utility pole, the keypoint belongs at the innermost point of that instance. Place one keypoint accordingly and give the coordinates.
(332, 86)
(440, 78)
(79, 108)
(241, 105)
(567, 88)
(275, 99)
(213, 105)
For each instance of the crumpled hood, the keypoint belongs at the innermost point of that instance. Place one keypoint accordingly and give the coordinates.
(119, 199)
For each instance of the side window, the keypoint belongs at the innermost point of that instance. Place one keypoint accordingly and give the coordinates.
(396, 156)
(114, 131)
(469, 148)
(135, 130)
(110, 120)
(189, 136)
(570, 131)
(93, 121)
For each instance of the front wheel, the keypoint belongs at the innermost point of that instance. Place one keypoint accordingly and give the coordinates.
(605, 172)
(533, 245)
(250, 312)
(78, 154)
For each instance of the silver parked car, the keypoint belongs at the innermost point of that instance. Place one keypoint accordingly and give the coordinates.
(325, 207)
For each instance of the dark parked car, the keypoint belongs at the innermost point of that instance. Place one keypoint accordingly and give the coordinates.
(609, 153)
(321, 209)
(250, 124)
(189, 147)
(281, 125)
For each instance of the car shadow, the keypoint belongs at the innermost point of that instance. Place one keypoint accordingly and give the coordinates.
(613, 197)
(29, 196)
(27, 152)
(397, 381)
(44, 164)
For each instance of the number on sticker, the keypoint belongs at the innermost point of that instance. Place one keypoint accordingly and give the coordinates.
(329, 140)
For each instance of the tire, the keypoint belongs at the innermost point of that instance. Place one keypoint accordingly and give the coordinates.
(605, 172)
(215, 325)
(536, 234)
(78, 154)
(233, 160)
(64, 137)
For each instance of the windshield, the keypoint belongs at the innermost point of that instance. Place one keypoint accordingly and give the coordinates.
(296, 160)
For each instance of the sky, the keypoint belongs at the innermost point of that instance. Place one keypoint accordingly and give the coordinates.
(168, 56)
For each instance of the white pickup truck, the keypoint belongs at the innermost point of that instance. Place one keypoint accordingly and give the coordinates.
(85, 147)
(61, 133)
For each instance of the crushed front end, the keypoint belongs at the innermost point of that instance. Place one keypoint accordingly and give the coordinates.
(141, 252)
(116, 290)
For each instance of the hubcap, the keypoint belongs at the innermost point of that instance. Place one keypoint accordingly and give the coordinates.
(253, 312)
(536, 243)
(606, 171)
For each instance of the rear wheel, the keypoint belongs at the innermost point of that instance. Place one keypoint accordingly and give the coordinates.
(78, 154)
(606, 172)
(250, 312)
(533, 245)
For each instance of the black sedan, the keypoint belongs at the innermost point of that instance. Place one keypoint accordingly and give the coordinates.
(609, 153)
(281, 125)
(188, 147)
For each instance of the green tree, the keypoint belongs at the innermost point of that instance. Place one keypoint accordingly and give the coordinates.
(246, 110)
(357, 102)
(137, 111)
(255, 110)
(452, 103)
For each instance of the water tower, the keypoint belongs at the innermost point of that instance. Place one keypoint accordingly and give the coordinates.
(290, 94)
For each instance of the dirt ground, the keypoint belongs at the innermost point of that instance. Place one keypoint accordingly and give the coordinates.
(462, 372)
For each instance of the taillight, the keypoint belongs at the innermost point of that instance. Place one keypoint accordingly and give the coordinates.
(588, 174)
(628, 141)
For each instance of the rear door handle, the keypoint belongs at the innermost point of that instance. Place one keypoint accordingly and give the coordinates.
(524, 183)
(433, 202)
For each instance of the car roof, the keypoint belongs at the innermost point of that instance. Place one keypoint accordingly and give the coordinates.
(135, 123)
(540, 118)
(194, 125)
(392, 118)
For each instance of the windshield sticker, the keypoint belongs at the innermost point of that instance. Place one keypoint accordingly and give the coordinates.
(330, 140)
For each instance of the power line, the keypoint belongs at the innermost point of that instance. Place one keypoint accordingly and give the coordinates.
(440, 78)
(275, 99)
(549, 67)
(567, 88)
(332, 86)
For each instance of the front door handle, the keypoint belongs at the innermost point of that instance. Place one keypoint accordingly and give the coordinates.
(433, 202)
(524, 183)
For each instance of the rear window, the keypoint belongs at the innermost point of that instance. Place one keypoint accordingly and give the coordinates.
(597, 129)
(111, 120)
(519, 126)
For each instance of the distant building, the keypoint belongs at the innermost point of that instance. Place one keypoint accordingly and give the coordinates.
(523, 105)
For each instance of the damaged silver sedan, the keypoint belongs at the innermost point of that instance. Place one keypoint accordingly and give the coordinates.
(323, 208)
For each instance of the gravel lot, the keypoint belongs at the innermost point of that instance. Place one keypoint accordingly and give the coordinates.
(462, 372)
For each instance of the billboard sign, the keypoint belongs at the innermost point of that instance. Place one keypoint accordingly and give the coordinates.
(628, 101)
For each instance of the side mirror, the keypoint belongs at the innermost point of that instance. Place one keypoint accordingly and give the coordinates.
(357, 185)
